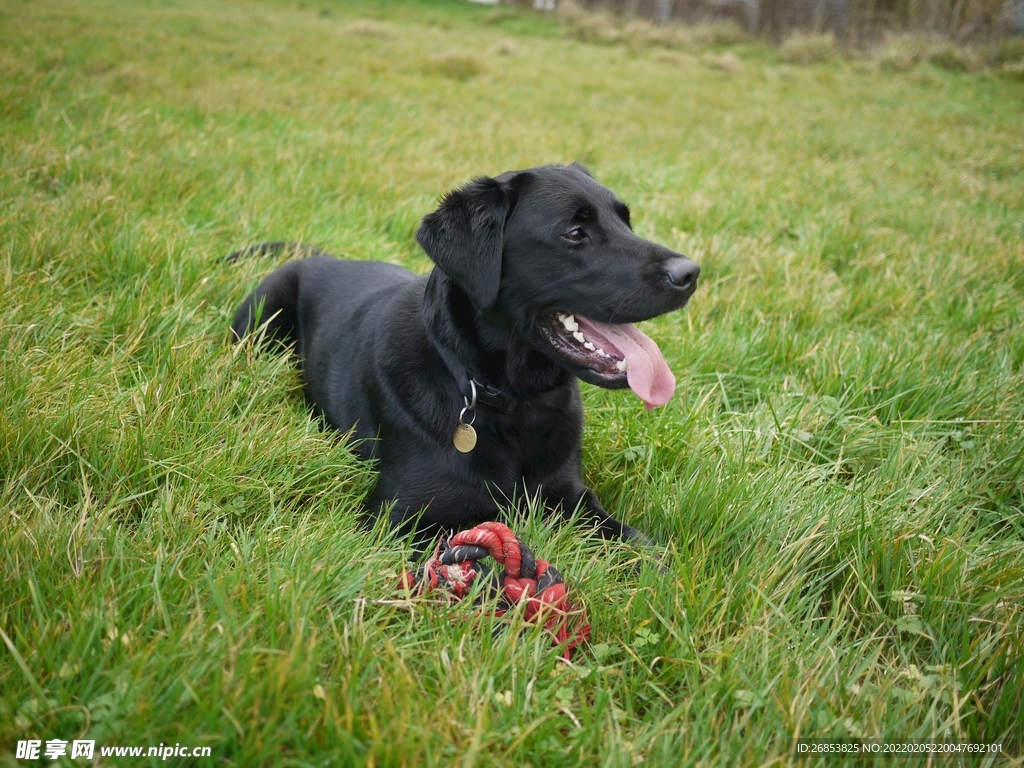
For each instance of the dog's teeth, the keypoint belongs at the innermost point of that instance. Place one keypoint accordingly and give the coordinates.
(602, 352)
(579, 337)
(590, 346)
(569, 322)
(621, 365)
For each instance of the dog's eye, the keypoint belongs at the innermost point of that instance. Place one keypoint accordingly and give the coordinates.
(574, 235)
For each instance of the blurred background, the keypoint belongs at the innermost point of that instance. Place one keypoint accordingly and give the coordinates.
(855, 20)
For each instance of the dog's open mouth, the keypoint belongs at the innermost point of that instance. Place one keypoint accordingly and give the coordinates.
(615, 355)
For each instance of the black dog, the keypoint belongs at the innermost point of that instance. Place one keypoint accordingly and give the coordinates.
(463, 383)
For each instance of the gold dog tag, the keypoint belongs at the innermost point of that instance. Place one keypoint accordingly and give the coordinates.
(464, 438)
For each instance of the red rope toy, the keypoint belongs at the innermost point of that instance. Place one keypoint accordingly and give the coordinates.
(455, 567)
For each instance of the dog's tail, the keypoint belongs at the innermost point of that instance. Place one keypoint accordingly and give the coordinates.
(298, 250)
(272, 305)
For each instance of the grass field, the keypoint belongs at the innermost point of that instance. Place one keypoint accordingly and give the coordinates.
(839, 481)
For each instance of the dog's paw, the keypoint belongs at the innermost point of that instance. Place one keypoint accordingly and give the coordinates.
(633, 536)
(652, 553)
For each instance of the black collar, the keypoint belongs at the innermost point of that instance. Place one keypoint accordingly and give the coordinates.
(436, 301)
(485, 393)
(495, 398)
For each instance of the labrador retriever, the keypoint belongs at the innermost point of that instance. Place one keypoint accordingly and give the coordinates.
(462, 384)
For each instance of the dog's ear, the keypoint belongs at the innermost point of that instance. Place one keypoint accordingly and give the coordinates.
(465, 236)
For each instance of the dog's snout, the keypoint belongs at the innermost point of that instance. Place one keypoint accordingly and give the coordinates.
(682, 273)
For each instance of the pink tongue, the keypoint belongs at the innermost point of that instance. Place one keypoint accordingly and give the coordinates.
(646, 370)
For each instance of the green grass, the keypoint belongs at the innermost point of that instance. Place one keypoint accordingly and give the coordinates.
(839, 480)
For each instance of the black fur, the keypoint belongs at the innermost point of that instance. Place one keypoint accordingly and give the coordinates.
(387, 354)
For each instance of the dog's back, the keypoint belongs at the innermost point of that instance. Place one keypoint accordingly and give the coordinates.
(333, 312)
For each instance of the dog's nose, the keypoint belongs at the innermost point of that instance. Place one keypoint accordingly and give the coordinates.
(682, 273)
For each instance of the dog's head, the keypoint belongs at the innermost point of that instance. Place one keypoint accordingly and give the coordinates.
(551, 253)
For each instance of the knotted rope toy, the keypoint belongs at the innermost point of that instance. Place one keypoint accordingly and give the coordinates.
(455, 566)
